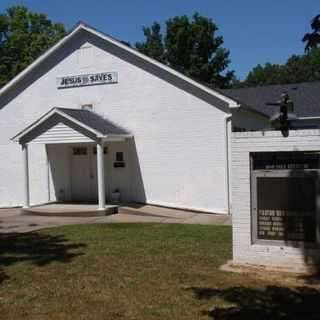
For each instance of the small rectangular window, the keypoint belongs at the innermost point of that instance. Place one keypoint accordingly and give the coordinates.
(79, 151)
(105, 150)
(119, 156)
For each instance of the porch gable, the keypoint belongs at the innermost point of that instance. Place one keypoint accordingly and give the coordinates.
(61, 133)
(61, 125)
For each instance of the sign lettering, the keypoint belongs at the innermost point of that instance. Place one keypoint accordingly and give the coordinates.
(288, 213)
(87, 80)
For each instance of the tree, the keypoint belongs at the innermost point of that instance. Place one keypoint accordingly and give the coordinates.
(313, 39)
(24, 36)
(191, 47)
(298, 68)
(265, 75)
(153, 45)
(304, 68)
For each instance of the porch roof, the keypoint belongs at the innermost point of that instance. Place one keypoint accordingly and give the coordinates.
(94, 121)
(88, 123)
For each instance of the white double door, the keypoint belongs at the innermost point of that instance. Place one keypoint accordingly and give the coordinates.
(84, 184)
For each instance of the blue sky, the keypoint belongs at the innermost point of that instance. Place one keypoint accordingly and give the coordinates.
(255, 31)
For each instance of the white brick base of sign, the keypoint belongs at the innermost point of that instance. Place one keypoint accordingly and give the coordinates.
(244, 251)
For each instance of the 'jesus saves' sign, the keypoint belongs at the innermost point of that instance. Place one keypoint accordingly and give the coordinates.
(87, 80)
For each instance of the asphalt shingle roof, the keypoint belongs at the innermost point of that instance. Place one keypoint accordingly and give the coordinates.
(94, 121)
(305, 96)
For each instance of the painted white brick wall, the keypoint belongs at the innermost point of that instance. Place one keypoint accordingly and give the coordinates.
(180, 139)
(243, 250)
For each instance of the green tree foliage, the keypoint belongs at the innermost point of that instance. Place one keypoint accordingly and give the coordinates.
(153, 45)
(191, 47)
(312, 39)
(265, 75)
(298, 68)
(24, 36)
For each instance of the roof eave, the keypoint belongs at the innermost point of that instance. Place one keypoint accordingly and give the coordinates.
(231, 103)
(40, 59)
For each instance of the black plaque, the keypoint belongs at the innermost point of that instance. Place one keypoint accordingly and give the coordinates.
(286, 160)
(286, 208)
(119, 164)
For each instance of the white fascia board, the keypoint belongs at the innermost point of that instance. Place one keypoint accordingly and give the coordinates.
(234, 105)
(309, 118)
(33, 65)
(33, 125)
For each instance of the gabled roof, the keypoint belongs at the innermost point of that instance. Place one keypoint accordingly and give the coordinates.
(82, 26)
(92, 123)
(93, 120)
(305, 96)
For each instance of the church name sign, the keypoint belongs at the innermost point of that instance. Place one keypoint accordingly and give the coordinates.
(87, 80)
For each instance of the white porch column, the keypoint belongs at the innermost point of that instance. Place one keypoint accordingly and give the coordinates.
(101, 182)
(26, 202)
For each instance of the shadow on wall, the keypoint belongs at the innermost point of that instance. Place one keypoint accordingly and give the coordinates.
(59, 166)
(59, 172)
(269, 303)
(35, 248)
(305, 199)
(295, 196)
(137, 185)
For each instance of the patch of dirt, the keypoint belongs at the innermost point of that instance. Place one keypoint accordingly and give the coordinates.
(290, 277)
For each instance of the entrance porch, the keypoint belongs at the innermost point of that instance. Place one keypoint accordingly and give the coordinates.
(70, 210)
(77, 143)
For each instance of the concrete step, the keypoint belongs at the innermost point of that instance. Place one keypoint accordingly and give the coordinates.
(43, 211)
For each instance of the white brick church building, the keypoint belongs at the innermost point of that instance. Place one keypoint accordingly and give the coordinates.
(93, 115)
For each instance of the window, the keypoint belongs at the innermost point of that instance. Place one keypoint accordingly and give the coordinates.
(119, 156)
(119, 163)
(79, 151)
(105, 150)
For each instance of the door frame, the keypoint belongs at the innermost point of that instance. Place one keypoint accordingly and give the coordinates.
(92, 197)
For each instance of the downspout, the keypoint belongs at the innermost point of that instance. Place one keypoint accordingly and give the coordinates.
(48, 172)
(227, 119)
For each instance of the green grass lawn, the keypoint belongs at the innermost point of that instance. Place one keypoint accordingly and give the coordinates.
(137, 271)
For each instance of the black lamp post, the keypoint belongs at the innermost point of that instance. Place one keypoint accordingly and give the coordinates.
(282, 119)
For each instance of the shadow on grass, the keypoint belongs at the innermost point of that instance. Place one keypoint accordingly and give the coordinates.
(38, 249)
(272, 302)
(3, 276)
